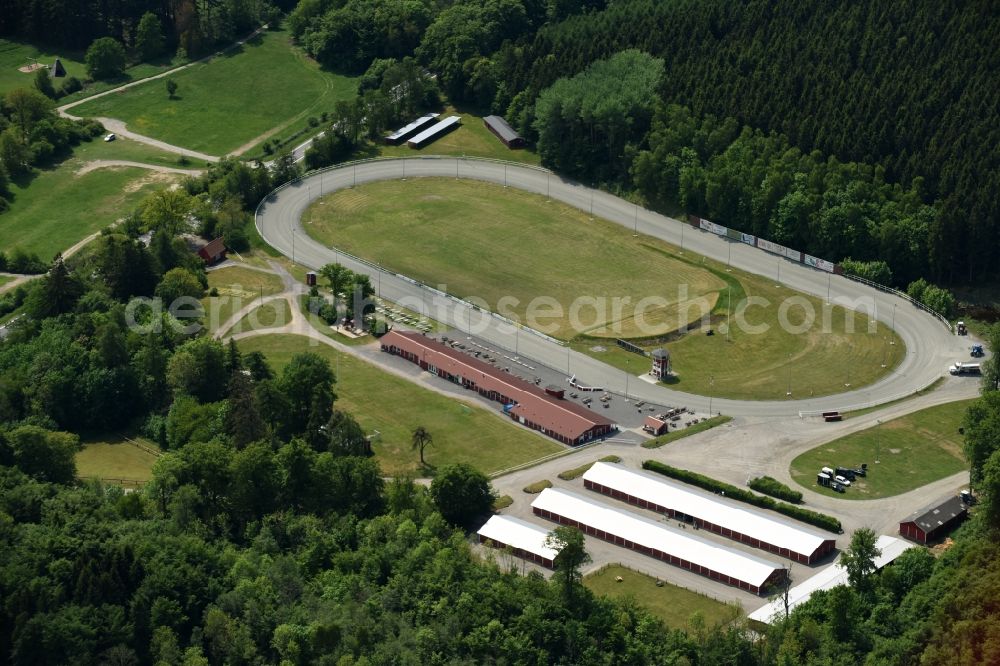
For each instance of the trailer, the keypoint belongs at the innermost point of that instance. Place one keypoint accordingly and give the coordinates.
(959, 368)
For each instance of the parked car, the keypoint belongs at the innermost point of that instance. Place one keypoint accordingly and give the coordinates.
(110, 137)
(837, 487)
(842, 481)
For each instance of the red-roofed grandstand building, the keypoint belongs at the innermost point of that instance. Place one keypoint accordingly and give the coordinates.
(525, 403)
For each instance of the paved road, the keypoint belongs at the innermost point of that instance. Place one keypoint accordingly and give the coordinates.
(930, 346)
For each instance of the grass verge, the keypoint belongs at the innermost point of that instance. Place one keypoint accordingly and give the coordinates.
(502, 502)
(676, 606)
(577, 472)
(537, 486)
(707, 424)
(394, 406)
(916, 394)
(913, 450)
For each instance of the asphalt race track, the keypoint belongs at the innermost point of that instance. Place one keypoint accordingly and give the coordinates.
(930, 346)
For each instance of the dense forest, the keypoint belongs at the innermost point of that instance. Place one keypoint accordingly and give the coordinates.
(906, 85)
(269, 535)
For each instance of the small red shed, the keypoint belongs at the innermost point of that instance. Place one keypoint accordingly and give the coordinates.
(213, 252)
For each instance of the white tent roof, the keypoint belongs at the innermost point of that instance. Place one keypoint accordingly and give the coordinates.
(706, 507)
(518, 533)
(652, 534)
(830, 577)
(434, 129)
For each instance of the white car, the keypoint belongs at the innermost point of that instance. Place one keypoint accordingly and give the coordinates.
(842, 481)
(110, 137)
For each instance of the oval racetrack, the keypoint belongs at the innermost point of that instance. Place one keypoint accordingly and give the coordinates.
(930, 346)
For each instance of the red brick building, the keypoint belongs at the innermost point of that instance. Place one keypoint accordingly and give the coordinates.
(525, 403)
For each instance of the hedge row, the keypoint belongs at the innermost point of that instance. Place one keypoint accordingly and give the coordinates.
(805, 515)
(774, 488)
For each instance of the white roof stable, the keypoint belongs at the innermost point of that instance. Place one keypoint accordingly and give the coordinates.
(517, 533)
(652, 534)
(705, 507)
(419, 122)
(435, 129)
(828, 578)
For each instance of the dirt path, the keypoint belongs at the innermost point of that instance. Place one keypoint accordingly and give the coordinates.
(16, 282)
(102, 164)
(118, 127)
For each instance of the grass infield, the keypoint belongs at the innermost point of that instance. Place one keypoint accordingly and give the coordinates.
(482, 240)
(672, 604)
(914, 450)
(234, 100)
(395, 406)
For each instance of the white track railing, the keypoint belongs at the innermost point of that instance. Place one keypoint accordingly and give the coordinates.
(906, 297)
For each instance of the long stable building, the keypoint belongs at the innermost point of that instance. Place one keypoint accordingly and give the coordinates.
(934, 521)
(404, 133)
(435, 131)
(525, 403)
(670, 544)
(706, 512)
(503, 131)
(889, 547)
(524, 539)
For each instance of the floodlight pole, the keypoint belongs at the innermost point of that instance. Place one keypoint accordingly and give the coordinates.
(729, 311)
(778, 282)
(626, 378)
(829, 279)
(729, 260)
(635, 226)
(893, 324)
(789, 391)
(682, 238)
(711, 388)
(592, 204)
(548, 179)
(354, 182)
(885, 350)
(878, 423)
(505, 176)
